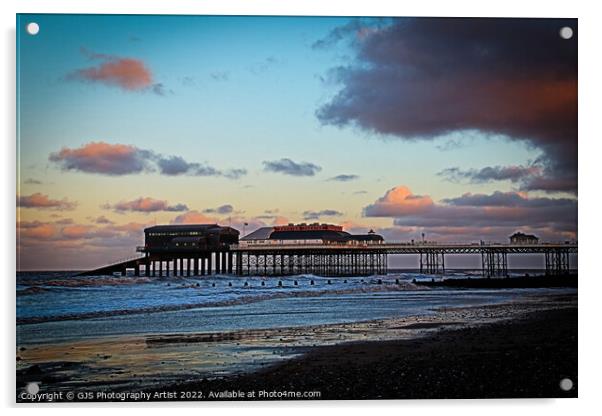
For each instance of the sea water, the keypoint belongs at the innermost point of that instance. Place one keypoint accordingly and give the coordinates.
(55, 307)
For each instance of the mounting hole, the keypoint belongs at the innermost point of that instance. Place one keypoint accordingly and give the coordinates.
(33, 28)
(566, 384)
(566, 32)
(32, 388)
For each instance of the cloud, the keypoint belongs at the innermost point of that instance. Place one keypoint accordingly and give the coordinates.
(314, 215)
(102, 220)
(176, 165)
(493, 173)
(42, 201)
(103, 158)
(128, 74)
(224, 209)
(288, 167)
(35, 229)
(60, 234)
(121, 159)
(145, 205)
(418, 79)
(31, 181)
(263, 66)
(398, 201)
(160, 89)
(495, 214)
(234, 173)
(59, 246)
(193, 217)
(355, 30)
(344, 178)
(220, 75)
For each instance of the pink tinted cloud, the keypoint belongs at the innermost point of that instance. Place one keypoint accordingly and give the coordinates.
(101, 157)
(398, 201)
(52, 245)
(39, 200)
(194, 217)
(78, 231)
(128, 74)
(35, 230)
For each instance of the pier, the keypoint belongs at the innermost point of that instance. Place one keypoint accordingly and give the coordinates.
(369, 259)
(320, 249)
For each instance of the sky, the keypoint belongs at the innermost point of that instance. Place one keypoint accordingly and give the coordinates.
(458, 129)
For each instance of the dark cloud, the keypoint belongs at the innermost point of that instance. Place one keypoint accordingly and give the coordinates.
(224, 209)
(160, 89)
(491, 173)
(42, 201)
(421, 78)
(314, 215)
(529, 178)
(145, 205)
(176, 165)
(344, 178)
(120, 159)
(288, 167)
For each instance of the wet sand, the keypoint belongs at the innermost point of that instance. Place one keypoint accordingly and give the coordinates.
(412, 357)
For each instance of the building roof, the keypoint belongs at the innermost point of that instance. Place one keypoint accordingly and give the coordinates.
(312, 232)
(262, 233)
(310, 235)
(186, 227)
(367, 237)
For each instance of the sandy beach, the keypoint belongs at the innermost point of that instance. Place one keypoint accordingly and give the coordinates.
(411, 357)
(523, 358)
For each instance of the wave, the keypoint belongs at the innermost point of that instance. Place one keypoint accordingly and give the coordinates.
(385, 287)
(88, 281)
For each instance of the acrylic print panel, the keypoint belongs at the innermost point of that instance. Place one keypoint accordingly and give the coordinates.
(301, 208)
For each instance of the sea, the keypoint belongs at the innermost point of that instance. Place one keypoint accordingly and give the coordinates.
(59, 307)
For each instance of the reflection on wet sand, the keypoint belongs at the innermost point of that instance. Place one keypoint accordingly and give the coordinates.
(152, 360)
